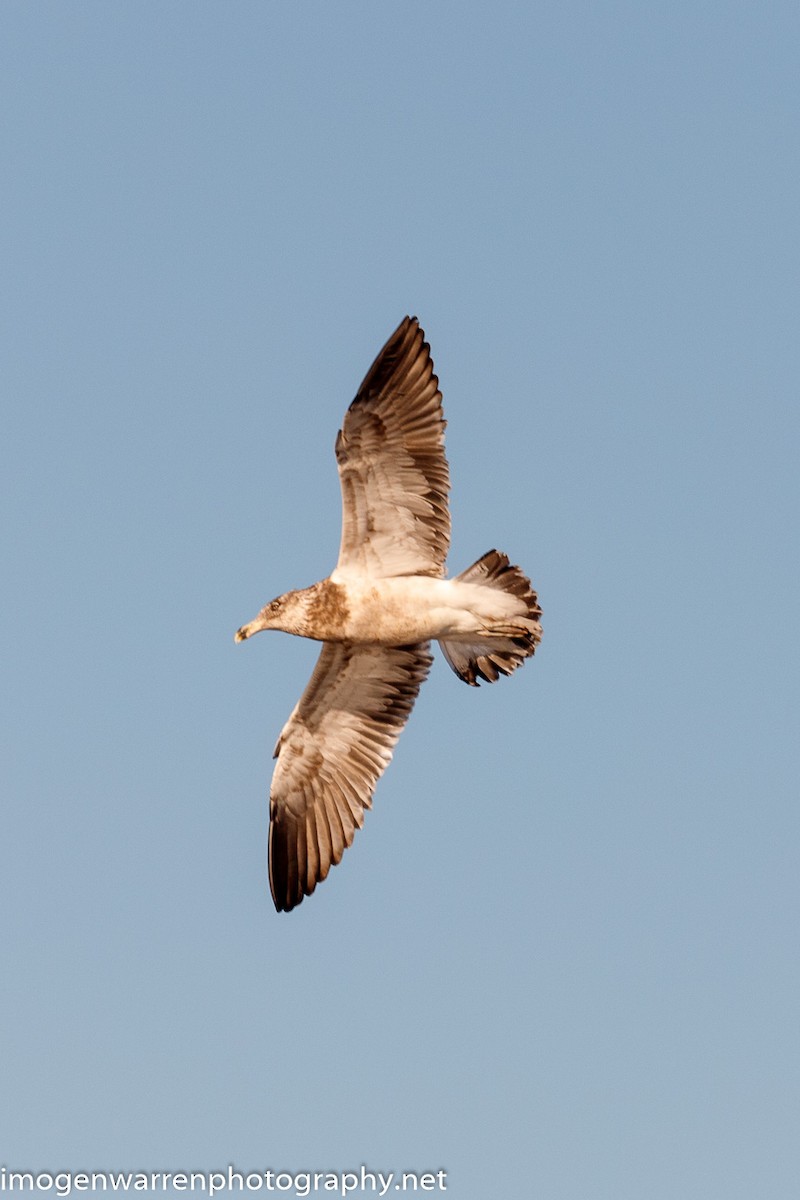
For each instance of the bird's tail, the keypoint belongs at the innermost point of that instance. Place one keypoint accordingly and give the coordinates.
(504, 644)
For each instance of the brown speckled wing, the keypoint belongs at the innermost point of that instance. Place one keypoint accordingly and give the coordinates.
(331, 753)
(392, 466)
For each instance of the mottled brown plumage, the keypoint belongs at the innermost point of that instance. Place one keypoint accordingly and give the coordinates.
(377, 614)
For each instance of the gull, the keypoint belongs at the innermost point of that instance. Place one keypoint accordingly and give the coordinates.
(377, 613)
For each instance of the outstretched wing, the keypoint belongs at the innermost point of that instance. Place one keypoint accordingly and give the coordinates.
(392, 466)
(331, 753)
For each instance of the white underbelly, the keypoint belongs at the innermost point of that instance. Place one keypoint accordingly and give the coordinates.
(410, 609)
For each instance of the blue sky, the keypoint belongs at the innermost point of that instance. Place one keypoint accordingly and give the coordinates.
(561, 959)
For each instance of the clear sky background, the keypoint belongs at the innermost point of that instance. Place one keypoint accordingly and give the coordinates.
(561, 959)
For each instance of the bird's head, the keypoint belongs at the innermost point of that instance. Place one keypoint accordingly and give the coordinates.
(284, 612)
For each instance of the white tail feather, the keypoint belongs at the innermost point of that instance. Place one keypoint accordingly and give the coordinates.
(500, 648)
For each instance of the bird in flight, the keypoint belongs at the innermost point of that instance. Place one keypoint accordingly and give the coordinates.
(377, 613)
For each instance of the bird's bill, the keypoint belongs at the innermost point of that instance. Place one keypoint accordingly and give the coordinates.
(264, 620)
(248, 630)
